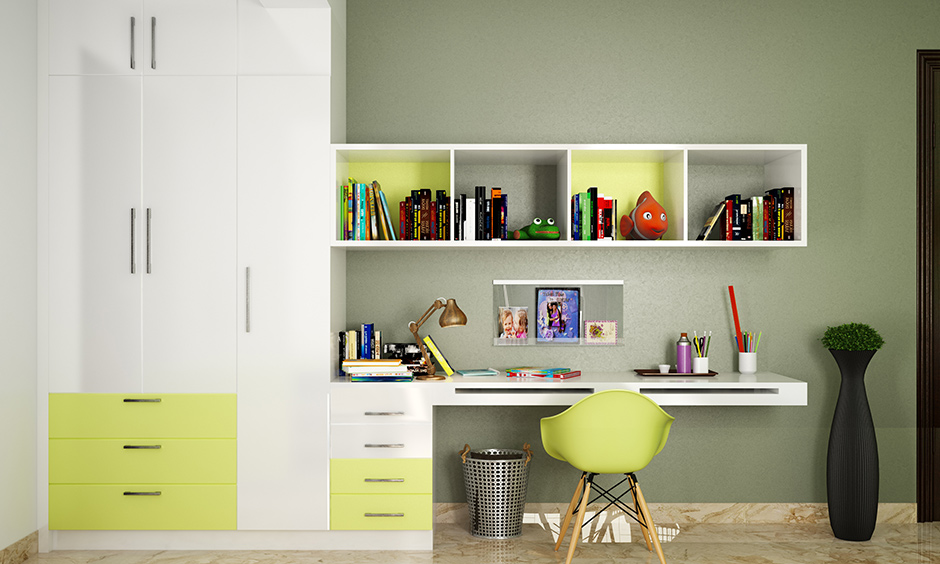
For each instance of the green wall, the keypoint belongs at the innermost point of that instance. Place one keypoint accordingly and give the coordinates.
(838, 76)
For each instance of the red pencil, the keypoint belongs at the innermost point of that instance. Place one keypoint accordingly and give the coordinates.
(737, 324)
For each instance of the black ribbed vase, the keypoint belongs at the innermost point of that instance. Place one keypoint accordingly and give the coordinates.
(852, 462)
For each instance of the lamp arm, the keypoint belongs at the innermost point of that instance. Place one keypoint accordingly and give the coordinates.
(438, 304)
(424, 351)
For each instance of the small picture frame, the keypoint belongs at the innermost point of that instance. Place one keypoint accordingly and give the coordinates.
(558, 315)
(512, 323)
(600, 332)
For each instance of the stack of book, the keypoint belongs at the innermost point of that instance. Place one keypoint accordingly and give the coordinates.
(421, 218)
(535, 372)
(593, 216)
(481, 218)
(759, 218)
(377, 370)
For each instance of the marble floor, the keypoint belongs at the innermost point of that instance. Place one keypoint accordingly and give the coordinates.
(694, 544)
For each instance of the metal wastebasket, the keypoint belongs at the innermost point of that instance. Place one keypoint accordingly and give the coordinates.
(496, 481)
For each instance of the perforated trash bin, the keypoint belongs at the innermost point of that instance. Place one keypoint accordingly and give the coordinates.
(496, 481)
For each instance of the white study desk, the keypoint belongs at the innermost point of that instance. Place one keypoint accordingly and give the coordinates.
(726, 388)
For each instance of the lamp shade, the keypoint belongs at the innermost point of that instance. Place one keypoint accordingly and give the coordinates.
(452, 315)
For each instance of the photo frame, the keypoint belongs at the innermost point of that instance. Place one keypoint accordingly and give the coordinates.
(558, 315)
(512, 323)
(600, 332)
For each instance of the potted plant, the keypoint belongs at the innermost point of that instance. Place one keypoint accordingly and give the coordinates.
(852, 460)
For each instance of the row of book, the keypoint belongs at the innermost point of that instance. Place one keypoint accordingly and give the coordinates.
(365, 215)
(769, 217)
(482, 217)
(377, 370)
(594, 216)
(362, 343)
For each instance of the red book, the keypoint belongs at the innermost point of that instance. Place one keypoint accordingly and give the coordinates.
(432, 220)
(402, 220)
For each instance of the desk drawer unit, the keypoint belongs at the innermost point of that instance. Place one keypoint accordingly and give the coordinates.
(380, 494)
(142, 462)
(350, 512)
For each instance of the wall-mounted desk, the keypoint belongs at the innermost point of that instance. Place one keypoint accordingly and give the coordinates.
(384, 431)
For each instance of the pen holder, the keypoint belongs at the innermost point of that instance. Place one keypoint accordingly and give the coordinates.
(699, 364)
(747, 362)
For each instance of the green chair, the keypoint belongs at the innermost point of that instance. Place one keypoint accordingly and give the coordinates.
(609, 432)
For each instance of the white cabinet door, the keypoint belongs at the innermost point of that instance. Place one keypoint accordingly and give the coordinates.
(94, 272)
(283, 41)
(283, 346)
(191, 37)
(95, 37)
(189, 238)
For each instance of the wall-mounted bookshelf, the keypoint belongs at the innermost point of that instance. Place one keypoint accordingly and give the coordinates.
(540, 181)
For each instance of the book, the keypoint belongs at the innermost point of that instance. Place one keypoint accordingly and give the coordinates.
(383, 370)
(373, 362)
(365, 350)
(710, 221)
(381, 378)
(381, 231)
(470, 229)
(495, 206)
(788, 217)
(757, 218)
(535, 372)
(389, 226)
(425, 217)
(471, 372)
(438, 356)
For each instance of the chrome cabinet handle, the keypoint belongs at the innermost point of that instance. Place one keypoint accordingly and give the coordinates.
(133, 229)
(247, 299)
(382, 413)
(143, 493)
(143, 447)
(374, 480)
(133, 26)
(148, 240)
(142, 400)
(383, 514)
(153, 43)
(384, 445)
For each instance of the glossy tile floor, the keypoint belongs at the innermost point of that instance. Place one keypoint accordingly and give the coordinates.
(614, 542)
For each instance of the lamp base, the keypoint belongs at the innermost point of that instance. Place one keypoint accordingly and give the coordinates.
(430, 377)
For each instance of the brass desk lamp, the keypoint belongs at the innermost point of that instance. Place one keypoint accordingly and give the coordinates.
(451, 317)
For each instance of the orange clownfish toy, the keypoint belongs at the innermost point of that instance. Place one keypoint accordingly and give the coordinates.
(647, 220)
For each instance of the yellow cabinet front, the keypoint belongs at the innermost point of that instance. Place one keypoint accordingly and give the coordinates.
(128, 461)
(142, 507)
(141, 416)
(380, 475)
(361, 512)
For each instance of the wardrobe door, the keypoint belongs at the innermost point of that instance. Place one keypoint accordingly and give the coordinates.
(284, 297)
(95, 224)
(189, 234)
(95, 37)
(191, 37)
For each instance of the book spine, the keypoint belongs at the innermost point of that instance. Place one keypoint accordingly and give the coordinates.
(592, 214)
(471, 228)
(788, 217)
(495, 196)
(458, 220)
(463, 217)
(615, 222)
(487, 219)
(574, 217)
(746, 227)
(425, 214)
(480, 210)
(432, 221)
(503, 218)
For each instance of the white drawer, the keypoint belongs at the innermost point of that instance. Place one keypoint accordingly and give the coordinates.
(381, 441)
(380, 403)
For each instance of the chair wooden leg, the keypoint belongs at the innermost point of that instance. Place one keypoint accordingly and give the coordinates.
(636, 506)
(570, 512)
(650, 525)
(576, 533)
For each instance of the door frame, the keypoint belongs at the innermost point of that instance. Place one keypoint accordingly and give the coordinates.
(928, 418)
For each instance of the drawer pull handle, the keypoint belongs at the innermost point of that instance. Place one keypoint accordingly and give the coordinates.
(385, 445)
(143, 493)
(142, 400)
(142, 447)
(384, 514)
(383, 413)
(372, 480)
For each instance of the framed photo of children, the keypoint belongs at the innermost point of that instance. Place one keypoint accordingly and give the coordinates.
(513, 323)
(558, 312)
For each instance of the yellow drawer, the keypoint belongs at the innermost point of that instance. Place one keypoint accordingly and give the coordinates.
(158, 461)
(141, 416)
(380, 475)
(354, 512)
(142, 507)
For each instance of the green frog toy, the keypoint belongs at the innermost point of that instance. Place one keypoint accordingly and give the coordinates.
(538, 229)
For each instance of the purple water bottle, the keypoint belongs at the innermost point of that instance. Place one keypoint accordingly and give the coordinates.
(684, 354)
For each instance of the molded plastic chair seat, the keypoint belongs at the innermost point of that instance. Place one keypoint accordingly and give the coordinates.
(609, 432)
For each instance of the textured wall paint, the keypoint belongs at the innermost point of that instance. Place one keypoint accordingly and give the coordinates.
(836, 76)
(18, 249)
